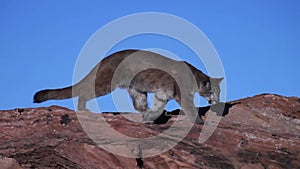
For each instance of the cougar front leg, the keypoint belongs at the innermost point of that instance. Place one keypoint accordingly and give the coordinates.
(189, 109)
(139, 100)
(158, 106)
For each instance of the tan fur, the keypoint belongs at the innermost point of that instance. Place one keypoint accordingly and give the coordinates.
(140, 72)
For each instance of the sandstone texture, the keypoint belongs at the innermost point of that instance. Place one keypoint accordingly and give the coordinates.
(256, 132)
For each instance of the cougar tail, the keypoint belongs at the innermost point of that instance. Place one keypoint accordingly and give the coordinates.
(52, 94)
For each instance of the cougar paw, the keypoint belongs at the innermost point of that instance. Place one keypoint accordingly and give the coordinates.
(149, 117)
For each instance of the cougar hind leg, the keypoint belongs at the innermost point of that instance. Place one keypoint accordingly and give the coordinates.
(87, 93)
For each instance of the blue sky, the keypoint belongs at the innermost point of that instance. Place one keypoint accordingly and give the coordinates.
(257, 41)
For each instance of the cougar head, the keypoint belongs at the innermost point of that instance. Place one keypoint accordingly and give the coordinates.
(210, 90)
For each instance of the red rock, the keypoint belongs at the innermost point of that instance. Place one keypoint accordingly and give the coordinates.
(9, 163)
(257, 132)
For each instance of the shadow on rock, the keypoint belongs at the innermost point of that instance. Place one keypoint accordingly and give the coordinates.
(222, 109)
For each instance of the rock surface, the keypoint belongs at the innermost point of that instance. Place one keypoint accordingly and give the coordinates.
(257, 132)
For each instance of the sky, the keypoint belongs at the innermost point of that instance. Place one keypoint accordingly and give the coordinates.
(258, 43)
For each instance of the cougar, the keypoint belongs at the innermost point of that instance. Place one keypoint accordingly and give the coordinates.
(142, 72)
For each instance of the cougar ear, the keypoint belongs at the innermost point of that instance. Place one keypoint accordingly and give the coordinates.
(217, 80)
(220, 79)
